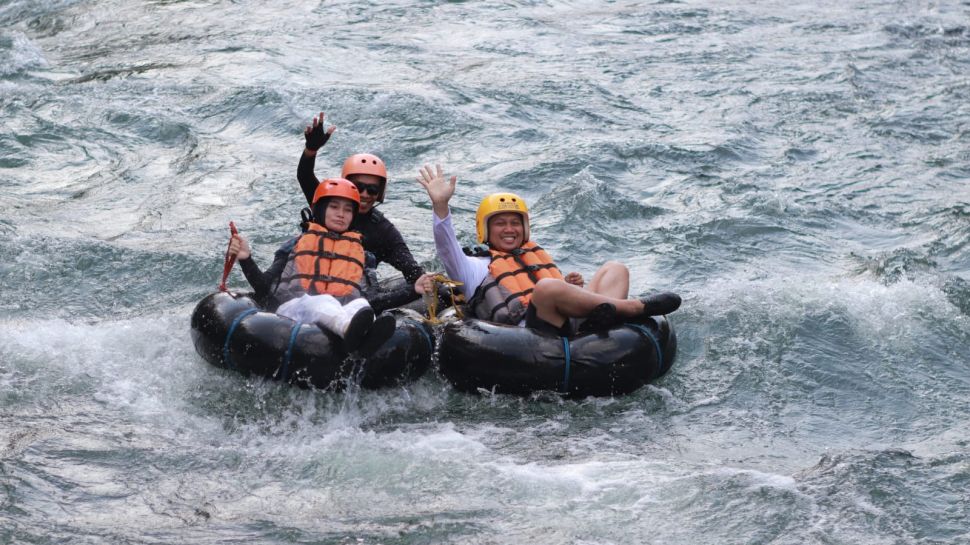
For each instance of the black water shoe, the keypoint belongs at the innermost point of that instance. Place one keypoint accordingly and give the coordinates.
(660, 303)
(358, 327)
(602, 317)
(378, 334)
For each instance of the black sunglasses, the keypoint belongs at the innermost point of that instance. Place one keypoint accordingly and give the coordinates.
(373, 189)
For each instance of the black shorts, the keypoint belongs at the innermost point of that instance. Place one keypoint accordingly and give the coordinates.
(535, 322)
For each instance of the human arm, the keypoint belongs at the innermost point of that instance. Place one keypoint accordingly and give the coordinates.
(316, 137)
(259, 280)
(304, 173)
(383, 239)
(470, 271)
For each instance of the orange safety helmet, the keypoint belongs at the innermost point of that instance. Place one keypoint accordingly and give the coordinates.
(337, 187)
(366, 163)
(498, 203)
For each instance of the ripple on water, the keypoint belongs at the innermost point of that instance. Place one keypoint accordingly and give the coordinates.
(859, 494)
(796, 171)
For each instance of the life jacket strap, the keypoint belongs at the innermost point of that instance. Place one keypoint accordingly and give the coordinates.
(514, 253)
(306, 216)
(329, 255)
(478, 250)
(528, 269)
(505, 303)
(336, 236)
(314, 278)
(531, 270)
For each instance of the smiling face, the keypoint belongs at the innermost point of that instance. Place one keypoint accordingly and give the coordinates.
(506, 231)
(339, 214)
(365, 183)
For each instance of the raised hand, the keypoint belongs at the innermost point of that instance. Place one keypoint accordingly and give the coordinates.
(439, 189)
(315, 136)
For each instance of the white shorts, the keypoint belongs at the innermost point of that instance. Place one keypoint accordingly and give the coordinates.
(311, 308)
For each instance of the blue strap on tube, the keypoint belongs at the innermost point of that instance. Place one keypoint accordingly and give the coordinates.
(285, 372)
(565, 378)
(232, 329)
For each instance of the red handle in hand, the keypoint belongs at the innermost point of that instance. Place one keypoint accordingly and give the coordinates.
(229, 261)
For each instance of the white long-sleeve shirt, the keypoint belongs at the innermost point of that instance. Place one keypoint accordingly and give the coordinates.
(470, 271)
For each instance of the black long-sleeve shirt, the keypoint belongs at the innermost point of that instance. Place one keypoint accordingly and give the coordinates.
(380, 237)
(264, 283)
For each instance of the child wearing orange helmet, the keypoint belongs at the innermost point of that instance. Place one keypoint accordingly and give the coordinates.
(515, 281)
(316, 277)
(381, 238)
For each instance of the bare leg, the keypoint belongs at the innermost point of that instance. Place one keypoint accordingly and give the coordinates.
(611, 280)
(555, 301)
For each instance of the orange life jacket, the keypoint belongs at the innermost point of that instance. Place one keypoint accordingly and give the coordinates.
(505, 293)
(321, 262)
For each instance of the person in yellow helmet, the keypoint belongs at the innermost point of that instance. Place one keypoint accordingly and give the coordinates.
(513, 280)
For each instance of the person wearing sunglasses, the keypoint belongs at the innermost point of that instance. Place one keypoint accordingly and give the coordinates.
(380, 237)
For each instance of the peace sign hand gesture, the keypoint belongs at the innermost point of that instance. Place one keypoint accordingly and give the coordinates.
(315, 136)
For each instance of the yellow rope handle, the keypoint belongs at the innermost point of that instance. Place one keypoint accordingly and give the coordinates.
(432, 299)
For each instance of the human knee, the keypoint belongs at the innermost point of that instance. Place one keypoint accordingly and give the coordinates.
(615, 267)
(546, 289)
(355, 305)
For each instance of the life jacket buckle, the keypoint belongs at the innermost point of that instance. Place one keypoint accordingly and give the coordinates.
(478, 250)
(306, 216)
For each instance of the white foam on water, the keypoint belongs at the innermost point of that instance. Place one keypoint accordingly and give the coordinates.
(236, 447)
(147, 368)
(19, 54)
(140, 365)
(759, 479)
(895, 314)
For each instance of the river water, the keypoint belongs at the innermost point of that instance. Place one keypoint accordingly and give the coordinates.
(798, 173)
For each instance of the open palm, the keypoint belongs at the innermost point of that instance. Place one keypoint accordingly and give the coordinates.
(438, 187)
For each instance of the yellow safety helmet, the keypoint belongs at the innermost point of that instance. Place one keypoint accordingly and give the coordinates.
(498, 203)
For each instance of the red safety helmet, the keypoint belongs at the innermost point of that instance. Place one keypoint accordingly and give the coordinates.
(366, 163)
(337, 187)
